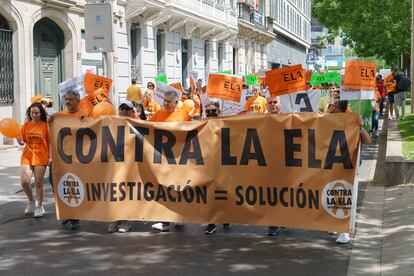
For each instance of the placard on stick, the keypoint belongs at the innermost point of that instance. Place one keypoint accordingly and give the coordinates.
(360, 75)
(224, 87)
(286, 80)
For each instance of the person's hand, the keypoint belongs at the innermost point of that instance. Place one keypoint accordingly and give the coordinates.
(51, 117)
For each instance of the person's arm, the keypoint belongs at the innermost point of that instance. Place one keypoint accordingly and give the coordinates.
(365, 137)
(20, 140)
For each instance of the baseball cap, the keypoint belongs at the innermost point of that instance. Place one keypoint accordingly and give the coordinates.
(128, 104)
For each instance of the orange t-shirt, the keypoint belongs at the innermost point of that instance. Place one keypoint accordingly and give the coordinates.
(391, 86)
(256, 104)
(78, 113)
(197, 109)
(151, 106)
(37, 139)
(163, 115)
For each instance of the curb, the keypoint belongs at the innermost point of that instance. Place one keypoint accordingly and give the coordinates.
(397, 169)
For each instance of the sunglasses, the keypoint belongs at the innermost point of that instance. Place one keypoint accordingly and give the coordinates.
(211, 111)
(127, 108)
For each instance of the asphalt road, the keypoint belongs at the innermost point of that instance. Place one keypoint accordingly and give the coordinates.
(42, 246)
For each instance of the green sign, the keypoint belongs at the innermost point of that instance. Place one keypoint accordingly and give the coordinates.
(162, 78)
(228, 72)
(332, 77)
(365, 109)
(252, 79)
(317, 79)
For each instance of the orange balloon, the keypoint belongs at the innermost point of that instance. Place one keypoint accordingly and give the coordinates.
(9, 128)
(103, 108)
(180, 104)
(188, 106)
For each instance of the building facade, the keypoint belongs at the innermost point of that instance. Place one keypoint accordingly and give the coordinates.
(42, 43)
(291, 24)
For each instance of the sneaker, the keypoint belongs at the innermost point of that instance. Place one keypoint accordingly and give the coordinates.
(226, 226)
(39, 211)
(124, 227)
(113, 227)
(30, 208)
(343, 238)
(210, 229)
(64, 221)
(272, 231)
(74, 224)
(161, 226)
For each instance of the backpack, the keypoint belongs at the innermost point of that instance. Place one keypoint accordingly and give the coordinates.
(403, 84)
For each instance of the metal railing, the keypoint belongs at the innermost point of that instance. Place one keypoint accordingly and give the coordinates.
(256, 18)
(6, 67)
(136, 73)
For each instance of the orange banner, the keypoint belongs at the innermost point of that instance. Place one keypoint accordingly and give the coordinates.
(286, 80)
(290, 170)
(360, 75)
(91, 82)
(224, 87)
(91, 99)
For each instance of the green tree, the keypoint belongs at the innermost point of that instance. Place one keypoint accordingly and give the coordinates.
(373, 28)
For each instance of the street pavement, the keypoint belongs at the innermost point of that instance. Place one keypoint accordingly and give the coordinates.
(382, 244)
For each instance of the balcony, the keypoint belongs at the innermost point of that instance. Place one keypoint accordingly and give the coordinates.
(207, 10)
(254, 24)
(257, 19)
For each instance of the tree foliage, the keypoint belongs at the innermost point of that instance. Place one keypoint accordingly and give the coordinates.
(378, 28)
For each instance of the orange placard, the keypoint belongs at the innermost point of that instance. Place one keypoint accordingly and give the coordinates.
(91, 82)
(360, 75)
(90, 100)
(224, 87)
(177, 85)
(286, 80)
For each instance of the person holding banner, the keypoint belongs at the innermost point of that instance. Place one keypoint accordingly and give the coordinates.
(256, 103)
(341, 107)
(72, 108)
(170, 113)
(125, 109)
(212, 110)
(35, 137)
(273, 107)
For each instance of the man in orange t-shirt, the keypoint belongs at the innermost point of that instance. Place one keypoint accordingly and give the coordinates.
(72, 101)
(256, 103)
(170, 112)
(390, 85)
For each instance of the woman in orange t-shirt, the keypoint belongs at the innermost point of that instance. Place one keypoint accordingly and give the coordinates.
(35, 158)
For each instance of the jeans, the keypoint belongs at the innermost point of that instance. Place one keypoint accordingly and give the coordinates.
(375, 118)
(400, 103)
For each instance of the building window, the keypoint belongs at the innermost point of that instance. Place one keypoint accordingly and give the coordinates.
(6, 63)
(135, 52)
(206, 57)
(220, 56)
(91, 62)
(161, 52)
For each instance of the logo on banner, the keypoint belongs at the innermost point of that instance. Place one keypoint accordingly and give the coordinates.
(71, 190)
(337, 198)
